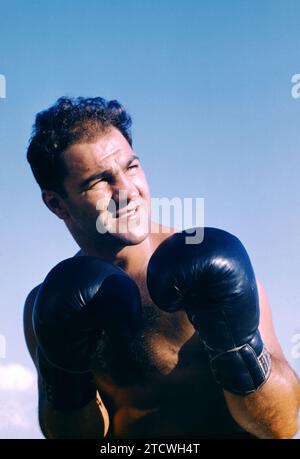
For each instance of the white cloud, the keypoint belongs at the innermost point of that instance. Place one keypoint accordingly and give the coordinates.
(18, 402)
(15, 377)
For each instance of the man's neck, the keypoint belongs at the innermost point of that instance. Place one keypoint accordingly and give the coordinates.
(131, 258)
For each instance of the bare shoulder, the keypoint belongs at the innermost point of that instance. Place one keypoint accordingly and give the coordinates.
(266, 325)
(160, 232)
(27, 321)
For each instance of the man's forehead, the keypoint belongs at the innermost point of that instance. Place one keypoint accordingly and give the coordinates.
(106, 151)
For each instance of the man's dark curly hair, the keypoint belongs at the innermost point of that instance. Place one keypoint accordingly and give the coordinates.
(67, 122)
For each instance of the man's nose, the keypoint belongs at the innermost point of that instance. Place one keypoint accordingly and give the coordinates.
(124, 190)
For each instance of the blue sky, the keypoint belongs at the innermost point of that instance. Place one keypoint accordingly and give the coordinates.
(208, 84)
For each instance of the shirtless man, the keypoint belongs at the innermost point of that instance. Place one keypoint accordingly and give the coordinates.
(143, 335)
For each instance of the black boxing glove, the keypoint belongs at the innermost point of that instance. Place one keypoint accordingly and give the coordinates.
(80, 298)
(215, 284)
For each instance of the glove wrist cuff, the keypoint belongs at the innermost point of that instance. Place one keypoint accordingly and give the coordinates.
(243, 369)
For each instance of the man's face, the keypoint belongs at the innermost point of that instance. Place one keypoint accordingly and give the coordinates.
(107, 190)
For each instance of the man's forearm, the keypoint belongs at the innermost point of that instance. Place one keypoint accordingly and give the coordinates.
(271, 411)
(90, 421)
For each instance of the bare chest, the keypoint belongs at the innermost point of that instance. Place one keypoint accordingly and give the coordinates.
(155, 383)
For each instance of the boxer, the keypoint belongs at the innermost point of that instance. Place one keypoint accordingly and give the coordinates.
(142, 334)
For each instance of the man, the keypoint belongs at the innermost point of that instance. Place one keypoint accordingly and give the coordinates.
(188, 360)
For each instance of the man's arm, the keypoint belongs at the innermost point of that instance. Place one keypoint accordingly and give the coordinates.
(90, 421)
(214, 282)
(271, 411)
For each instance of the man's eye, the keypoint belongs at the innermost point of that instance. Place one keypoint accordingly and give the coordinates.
(94, 185)
(133, 166)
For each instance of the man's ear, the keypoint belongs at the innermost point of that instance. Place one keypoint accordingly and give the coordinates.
(55, 203)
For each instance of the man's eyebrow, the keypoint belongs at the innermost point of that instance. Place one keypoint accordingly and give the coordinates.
(104, 173)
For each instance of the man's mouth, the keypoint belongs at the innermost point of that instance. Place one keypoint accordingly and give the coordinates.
(130, 211)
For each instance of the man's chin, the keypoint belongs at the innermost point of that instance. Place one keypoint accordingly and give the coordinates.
(128, 231)
(130, 237)
(116, 237)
